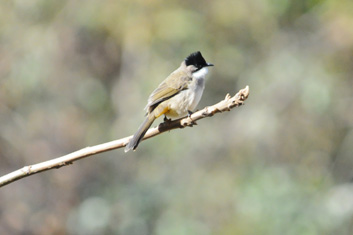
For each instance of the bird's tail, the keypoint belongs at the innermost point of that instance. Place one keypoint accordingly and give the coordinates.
(134, 142)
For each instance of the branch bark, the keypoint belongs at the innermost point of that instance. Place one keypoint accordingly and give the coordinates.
(225, 105)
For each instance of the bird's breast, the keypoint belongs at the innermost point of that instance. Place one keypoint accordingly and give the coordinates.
(187, 99)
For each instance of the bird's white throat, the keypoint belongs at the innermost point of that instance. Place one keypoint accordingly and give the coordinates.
(201, 73)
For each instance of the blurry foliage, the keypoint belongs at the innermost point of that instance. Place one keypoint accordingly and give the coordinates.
(78, 73)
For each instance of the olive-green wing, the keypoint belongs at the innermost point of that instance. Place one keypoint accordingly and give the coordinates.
(171, 86)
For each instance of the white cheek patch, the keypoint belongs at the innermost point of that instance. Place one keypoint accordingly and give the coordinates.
(201, 73)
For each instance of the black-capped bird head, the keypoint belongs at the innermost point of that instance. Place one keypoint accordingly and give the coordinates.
(196, 60)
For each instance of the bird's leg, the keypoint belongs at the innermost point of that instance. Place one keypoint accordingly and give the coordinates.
(189, 116)
(167, 119)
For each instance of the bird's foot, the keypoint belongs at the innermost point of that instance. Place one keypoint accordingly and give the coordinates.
(166, 120)
(192, 122)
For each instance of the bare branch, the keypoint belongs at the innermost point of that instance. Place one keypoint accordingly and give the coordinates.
(225, 105)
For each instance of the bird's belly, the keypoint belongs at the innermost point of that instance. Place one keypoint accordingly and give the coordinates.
(185, 101)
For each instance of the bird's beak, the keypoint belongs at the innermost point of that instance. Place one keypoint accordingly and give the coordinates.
(209, 64)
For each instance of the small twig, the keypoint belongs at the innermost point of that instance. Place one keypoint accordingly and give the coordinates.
(225, 105)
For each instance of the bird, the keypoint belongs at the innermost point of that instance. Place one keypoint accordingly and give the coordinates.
(177, 96)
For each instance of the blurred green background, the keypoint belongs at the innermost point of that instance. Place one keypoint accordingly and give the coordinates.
(78, 73)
